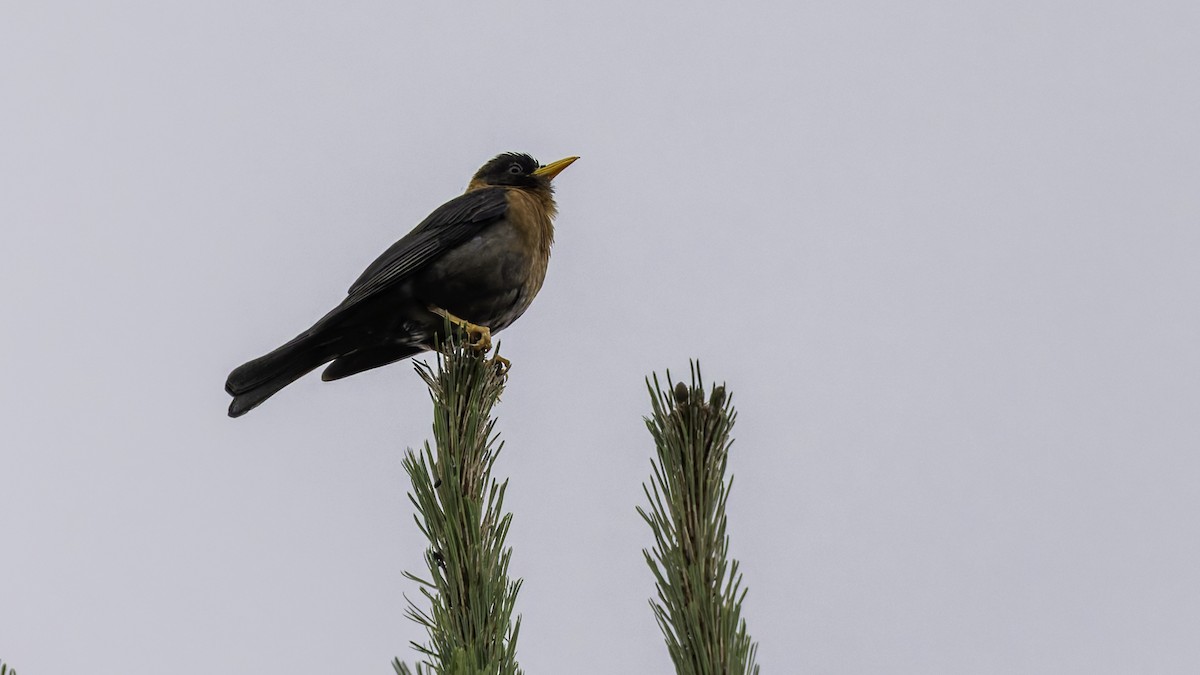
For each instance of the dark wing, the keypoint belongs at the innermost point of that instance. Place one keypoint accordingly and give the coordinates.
(448, 226)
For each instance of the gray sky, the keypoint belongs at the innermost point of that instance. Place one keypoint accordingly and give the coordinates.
(944, 254)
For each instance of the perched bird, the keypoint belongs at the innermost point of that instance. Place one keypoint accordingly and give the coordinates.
(477, 261)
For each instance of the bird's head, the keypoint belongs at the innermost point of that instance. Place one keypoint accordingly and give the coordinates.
(514, 169)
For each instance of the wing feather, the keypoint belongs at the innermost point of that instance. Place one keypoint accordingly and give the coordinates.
(448, 226)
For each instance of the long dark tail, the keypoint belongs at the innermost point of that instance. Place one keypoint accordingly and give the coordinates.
(255, 381)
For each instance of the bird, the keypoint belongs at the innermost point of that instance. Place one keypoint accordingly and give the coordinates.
(475, 262)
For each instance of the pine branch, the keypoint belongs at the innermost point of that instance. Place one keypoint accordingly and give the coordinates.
(470, 597)
(4, 669)
(700, 593)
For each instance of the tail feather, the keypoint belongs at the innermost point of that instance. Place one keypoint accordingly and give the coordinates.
(255, 381)
(356, 362)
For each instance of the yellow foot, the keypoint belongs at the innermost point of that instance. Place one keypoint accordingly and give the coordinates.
(502, 365)
(480, 336)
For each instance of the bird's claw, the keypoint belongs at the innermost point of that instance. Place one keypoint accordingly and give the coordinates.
(479, 337)
(502, 365)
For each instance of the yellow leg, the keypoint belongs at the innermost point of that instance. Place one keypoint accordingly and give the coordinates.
(481, 336)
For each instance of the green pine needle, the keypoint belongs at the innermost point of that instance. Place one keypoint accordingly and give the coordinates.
(469, 615)
(699, 591)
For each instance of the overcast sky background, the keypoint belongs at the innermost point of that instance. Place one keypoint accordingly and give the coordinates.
(944, 254)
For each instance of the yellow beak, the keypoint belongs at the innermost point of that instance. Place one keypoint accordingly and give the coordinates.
(554, 168)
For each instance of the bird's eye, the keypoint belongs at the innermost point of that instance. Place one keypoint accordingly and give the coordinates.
(515, 169)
